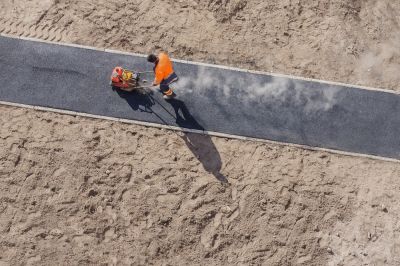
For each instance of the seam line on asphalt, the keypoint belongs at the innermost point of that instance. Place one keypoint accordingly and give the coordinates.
(209, 133)
(205, 64)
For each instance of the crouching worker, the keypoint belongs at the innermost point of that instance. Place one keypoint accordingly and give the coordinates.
(164, 73)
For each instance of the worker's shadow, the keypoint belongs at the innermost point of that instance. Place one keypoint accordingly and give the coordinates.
(200, 145)
(142, 101)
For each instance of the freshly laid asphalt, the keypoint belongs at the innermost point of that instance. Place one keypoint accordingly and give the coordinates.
(209, 98)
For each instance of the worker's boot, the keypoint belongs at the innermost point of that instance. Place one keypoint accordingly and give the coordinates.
(169, 97)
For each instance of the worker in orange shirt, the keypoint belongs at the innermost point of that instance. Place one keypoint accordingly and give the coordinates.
(164, 73)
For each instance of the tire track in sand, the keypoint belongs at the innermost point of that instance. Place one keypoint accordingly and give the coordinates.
(40, 31)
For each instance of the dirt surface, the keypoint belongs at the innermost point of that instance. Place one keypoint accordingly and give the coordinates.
(78, 191)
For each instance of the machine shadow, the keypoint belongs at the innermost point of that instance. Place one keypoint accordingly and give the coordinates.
(138, 101)
(200, 145)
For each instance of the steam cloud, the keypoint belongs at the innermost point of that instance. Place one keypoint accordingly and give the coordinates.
(251, 90)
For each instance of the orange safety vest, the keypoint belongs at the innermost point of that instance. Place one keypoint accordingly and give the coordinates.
(163, 68)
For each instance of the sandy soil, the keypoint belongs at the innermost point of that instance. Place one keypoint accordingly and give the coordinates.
(81, 191)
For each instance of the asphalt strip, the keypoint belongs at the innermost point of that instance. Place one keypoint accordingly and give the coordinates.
(214, 100)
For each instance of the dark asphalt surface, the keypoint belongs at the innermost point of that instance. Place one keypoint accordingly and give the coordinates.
(213, 99)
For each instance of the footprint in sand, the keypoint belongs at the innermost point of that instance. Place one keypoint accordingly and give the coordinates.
(33, 260)
(109, 235)
(209, 236)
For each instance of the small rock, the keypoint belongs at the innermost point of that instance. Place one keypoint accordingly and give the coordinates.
(56, 232)
(112, 175)
(108, 172)
(369, 236)
(92, 193)
(226, 209)
(263, 201)
(384, 209)
(172, 190)
(330, 251)
(165, 221)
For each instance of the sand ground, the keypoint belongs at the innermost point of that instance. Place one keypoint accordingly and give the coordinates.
(83, 191)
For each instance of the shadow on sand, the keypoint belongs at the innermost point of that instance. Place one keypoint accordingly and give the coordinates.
(200, 145)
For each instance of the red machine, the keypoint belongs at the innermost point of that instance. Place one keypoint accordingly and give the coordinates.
(128, 80)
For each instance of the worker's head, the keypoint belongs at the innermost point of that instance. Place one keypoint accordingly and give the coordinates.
(152, 58)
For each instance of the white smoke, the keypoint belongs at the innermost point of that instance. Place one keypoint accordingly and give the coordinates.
(251, 90)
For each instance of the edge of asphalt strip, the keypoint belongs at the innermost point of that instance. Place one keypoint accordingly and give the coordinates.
(186, 130)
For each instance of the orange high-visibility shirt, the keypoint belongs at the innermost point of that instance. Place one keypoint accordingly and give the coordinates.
(163, 69)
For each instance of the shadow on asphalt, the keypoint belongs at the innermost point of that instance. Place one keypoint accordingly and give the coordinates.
(200, 145)
(138, 101)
